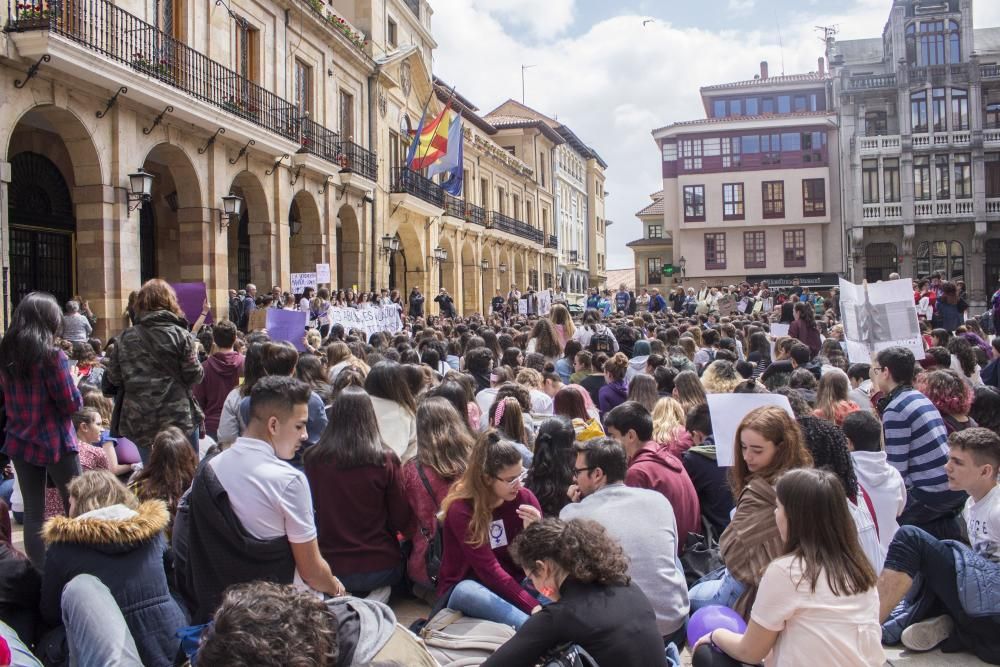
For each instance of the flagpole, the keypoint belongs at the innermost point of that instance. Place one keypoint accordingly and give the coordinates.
(446, 106)
(420, 127)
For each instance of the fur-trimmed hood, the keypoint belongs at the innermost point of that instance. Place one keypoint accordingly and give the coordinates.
(108, 534)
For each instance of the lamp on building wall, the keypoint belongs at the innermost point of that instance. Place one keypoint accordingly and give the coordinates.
(440, 255)
(485, 265)
(390, 245)
(682, 264)
(503, 268)
(232, 207)
(140, 188)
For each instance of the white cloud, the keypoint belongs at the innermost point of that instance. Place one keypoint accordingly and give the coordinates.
(741, 6)
(616, 81)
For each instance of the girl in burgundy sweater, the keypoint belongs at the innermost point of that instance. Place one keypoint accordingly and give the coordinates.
(357, 489)
(485, 510)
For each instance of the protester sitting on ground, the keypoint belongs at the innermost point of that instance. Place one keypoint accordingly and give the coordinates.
(615, 390)
(551, 472)
(595, 605)
(720, 377)
(768, 442)
(545, 340)
(168, 475)
(222, 374)
(642, 390)
(963, 360)
(641, 520)
(534, 381)
(668, 426)
(916, 442)
(817, 598)
(483, 513)
(249, 514)
(156, 366)
(950, 395)
(833, 402)
(269, 625)
(311, 369)
(777, 373)
(395, 408)
(701, 463)
(40, 397)
(20, 585)
(359, 497)
(113, 537)
(566, 364)
(956, 580)
(443, 447)
(637, 364)
(883, 483)
(595, 380)
(652, 467)
(487, 397)
(688, 390)
(88, 425)
(760, 353)
(986, 408)
(507, 417)
(859, 375)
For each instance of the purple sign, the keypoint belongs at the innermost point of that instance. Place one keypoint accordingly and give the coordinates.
(287, 325)
(191, 297)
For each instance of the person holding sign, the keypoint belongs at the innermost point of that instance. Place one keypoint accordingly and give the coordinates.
(768, 442)
(804, 328)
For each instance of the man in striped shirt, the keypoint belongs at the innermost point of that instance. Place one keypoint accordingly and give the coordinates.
(916, 444)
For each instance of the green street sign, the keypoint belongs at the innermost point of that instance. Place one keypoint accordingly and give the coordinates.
(668, 269)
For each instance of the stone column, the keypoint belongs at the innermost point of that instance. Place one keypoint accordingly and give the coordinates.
(107, 254)
(5, 172)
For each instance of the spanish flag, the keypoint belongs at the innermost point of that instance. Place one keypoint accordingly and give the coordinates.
(430, 141)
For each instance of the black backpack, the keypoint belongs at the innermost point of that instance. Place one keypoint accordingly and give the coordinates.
(602, 342)
(435, 541)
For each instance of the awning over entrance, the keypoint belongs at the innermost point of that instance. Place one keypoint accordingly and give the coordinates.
(810, 280)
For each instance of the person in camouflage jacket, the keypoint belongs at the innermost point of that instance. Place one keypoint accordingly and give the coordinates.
(156, 363)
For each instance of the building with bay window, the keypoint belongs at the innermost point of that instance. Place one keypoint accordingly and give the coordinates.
(919, 114)
(748, 191)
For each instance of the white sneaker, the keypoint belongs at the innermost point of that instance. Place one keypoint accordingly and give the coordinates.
(925, 635)
(381, 594)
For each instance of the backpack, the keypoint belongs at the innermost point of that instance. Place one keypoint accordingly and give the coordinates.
(456, 640)
(435, 542)
(236, 310)
(602, 341)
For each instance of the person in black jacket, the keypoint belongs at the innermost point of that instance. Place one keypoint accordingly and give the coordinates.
(595, 605)
(447, 304)
(416, 303)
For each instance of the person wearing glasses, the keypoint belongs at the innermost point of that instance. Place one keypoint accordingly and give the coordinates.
(485, 510)
(916, 444)
(643, 522)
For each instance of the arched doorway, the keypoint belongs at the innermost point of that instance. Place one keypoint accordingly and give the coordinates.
(42, 227)
(170, 226)
(249, 239)
(880, 261)
(448, 272)
(471, 272)
(349, 247)
(992, 266)
(306, 246)
(520, 277)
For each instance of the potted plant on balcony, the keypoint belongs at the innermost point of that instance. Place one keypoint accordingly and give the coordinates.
(345, 28)
(241, 108)
(158, 68)
(33, 13)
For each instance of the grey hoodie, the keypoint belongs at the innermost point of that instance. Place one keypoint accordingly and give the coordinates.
(364, 627)
(636, 365)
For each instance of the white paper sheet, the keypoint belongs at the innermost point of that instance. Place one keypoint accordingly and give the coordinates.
(728, 410)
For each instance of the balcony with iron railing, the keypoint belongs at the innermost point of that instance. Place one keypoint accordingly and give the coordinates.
(989, 71)
(407, 181)
(103, 27)
(551, 241)
(456, 207)
(505, 223)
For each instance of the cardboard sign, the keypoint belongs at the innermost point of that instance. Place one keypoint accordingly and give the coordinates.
(522, 306)
(779, 330)
(258, 319)
(323, 274)
(300, 281)
(370, 320)
(191, 297)
(726, 304)
(877, 316)
(287, 325)
(728, 410)
(544, 302)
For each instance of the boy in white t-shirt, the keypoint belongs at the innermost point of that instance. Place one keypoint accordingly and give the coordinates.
(956, 576)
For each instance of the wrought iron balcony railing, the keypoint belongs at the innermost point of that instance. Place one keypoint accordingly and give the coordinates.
(410, 182)
(457, 207)
(101, 26)
(359, 160)
(551, 241)
(511, 225)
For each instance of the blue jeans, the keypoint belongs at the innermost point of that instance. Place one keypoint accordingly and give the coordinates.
(724, 590)
(6, 490)
(95, 628)
(21, 655)
(936, 513)
(473, 599)
(915, 551)
(362, 583)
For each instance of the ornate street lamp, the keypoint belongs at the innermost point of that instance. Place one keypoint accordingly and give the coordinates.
(440, 255)
(141, 188)
(232, 207)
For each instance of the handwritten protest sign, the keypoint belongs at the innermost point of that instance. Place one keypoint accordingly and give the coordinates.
(779, 330)
(287, 325)
(323, 274)
(300, 281)
(191, 297)
(544, 302)
(522, 306)
(370, 320)
(726, 304)
(728, 410)
(877, 316)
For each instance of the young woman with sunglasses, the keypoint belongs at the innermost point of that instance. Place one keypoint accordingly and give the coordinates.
(486, 509)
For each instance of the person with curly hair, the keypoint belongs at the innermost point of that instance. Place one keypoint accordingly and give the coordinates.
(963, 360)
(720, 377)
(951, 395)
(551, 472)
(270, 625)
(595, 605)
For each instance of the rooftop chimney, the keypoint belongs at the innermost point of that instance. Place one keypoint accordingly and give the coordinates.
(821, 63)
(763, 69)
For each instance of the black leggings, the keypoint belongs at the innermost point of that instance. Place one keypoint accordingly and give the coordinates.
(31, 479)
(706, 657)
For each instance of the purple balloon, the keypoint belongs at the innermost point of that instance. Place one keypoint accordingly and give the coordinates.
(713, 617)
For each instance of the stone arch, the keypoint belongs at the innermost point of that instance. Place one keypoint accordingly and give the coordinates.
(171, 225)
(410, 263)
(67, 253)
(505, 268)
(250, 238)
(472, 273)
(520, 271)
(448, 271)
(307, 243)
(349, 248)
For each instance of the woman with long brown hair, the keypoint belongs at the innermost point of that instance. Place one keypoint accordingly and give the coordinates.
(817, 598)
(171, 468)
(832, 401)
(545, 340)
(443, 447)
(804, 327)
(156, 363)
(484, 512)
(688, 390)
(768, 442)
(595, 605)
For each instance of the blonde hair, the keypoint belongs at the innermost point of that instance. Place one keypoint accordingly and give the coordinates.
(95, 489)
(720, 377)
(529, 378)
(668, 416)
(560, 315)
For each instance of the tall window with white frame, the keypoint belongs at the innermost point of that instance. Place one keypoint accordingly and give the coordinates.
(694, 203)
(869, 181)
(653, 271)
(959, 109)
(732, 201)
(890, 180)
(963, 175)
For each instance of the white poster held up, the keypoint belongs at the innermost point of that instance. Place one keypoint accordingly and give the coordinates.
(300, 281)
(779, 330)
(728, 410)
(522, 306)
(323, 274)
(877, 316)
(544, 302)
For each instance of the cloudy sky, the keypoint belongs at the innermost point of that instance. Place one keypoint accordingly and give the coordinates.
(611, 79)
